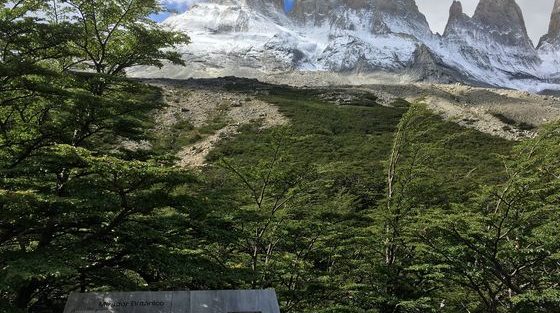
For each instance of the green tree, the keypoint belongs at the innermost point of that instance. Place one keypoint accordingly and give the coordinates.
(78, 210)
(502, 245)
(108, 37)
(287, 230)
(268, 193)
(403, 282)
(84, 234)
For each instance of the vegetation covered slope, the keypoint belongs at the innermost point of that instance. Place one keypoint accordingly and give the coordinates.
(346, 208)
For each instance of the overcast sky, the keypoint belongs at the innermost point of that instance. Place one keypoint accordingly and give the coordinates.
(536, 12)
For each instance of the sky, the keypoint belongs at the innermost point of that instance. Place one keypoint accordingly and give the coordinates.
(536, 12)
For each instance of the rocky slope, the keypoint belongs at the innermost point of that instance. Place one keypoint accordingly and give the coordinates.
(509, 114)
(236, 37)
(199, 104)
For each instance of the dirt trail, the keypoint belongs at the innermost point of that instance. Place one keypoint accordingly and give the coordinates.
(199, 106)
(195, 154)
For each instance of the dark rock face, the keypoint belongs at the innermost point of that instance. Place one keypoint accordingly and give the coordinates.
(554, 29)
(410, 20)
(456, 10)
(499, 21)
(276, 3)
(313, 12)
(265, 3)
(504, 19)
(405, 8)
(269, 7)
(457, 19)
(427, 66)
(553, 36)
(316, 12)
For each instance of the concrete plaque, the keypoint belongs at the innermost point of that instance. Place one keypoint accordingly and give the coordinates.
(215, 301)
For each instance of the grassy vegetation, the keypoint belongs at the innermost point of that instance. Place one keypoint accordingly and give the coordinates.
(345, 148)
(350, 143)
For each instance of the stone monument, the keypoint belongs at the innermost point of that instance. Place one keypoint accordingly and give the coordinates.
(214, 301)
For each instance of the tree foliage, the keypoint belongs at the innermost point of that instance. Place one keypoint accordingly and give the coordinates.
(347, 209)
(72, 199)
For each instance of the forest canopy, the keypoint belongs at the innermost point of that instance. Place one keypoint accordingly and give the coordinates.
(364, 208)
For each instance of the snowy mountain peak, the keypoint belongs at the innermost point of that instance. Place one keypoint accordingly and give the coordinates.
(236, 37)
(382, 16)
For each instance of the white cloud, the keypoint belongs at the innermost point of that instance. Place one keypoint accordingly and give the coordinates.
(180, 3)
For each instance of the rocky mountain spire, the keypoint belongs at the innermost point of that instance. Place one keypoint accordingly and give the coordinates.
(456, 10)
(554, 28)
(495, 37)
(553, 35)
(499, 21)
(504, 19)
(456, 17)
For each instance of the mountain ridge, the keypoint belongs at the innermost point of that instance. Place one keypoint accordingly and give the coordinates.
(356, 36)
